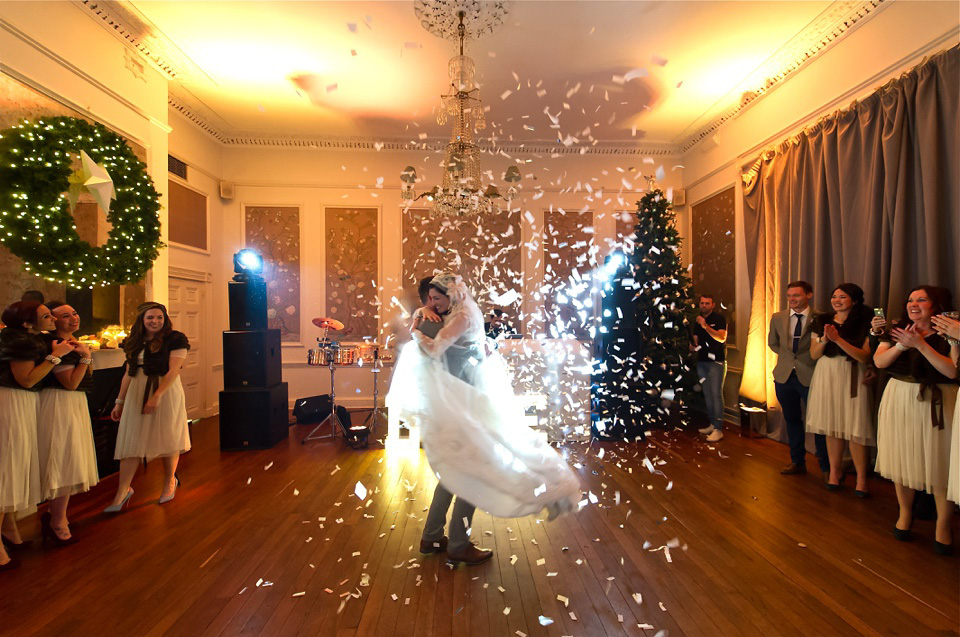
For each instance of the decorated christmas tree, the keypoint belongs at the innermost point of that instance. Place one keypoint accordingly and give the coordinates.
(644, 373)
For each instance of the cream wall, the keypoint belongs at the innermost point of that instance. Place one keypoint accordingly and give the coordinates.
(314, 179)
(56, 48)
(890, 43)
(204, 157)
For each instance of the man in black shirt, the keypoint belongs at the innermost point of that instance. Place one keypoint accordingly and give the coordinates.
(709, 337)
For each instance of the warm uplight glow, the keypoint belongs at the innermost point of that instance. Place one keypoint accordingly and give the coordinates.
(401, 449)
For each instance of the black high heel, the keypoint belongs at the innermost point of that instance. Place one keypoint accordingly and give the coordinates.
(902, 535)
(942, 549)
(47, 533)
(12, 564)
(13, 547)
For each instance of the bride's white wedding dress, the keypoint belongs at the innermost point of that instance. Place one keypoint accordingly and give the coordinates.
(472, 425)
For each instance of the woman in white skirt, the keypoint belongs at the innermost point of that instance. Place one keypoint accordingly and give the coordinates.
(949, 328)
(917, 409)
(839, 405)
(24, 361)
(151, 406)
(68, 460)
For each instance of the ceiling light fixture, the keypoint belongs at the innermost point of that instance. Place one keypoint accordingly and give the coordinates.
(461, 192)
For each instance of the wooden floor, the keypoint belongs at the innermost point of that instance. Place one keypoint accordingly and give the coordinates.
(714, 542)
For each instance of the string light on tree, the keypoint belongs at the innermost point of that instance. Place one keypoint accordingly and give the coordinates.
(36, 222)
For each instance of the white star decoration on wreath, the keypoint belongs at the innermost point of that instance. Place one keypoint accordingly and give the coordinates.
(94, 179)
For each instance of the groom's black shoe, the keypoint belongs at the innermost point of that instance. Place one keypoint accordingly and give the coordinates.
(469, 556)
(433, 546)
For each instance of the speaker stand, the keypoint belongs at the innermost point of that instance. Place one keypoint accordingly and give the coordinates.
(332, 418)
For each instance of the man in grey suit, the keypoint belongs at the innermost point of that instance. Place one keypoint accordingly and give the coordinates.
(789, 338)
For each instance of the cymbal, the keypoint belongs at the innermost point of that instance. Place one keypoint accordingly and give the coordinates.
(328, 323)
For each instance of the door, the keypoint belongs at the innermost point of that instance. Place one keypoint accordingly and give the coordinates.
(187, 299)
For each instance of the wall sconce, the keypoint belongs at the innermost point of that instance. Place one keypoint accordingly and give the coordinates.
(512, 177)
(408, 177)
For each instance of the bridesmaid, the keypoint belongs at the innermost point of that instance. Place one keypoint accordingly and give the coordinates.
(68, 460)
(917, 409)
(154, 423)
(949, 328)
(24, 362)
(840, 406)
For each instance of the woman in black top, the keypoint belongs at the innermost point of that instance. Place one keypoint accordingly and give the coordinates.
(840, 406)
(24, 361)
(68, 459)
(917, 408)
(151, 406)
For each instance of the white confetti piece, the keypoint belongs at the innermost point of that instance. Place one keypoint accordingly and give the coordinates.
(506, 610)
(563, 600)
(268, 466)
(662, 607)
(545, 621)
(300, 594)
(360, 491)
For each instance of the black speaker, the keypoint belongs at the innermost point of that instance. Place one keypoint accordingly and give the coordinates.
(253, 418)
(251, 359)
(248, 304)
(312, 409)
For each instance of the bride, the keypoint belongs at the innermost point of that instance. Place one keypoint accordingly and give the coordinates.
(471, 423)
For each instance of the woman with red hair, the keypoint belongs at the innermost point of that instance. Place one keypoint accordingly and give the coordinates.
(24, 361)
(916, 411)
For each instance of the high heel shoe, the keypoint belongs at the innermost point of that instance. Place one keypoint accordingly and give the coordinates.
(14, 547)
(12, 564)
(166, 498)
(47, 533)
(902, 535)
(116, 508)
(838, 486)
(942, 549)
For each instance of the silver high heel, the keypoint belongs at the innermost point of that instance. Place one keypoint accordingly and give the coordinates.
(116, 508)
(167, 498)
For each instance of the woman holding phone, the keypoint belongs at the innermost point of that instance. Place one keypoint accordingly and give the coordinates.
(917, 410)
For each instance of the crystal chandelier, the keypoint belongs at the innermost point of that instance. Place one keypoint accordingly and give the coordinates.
(461, 192)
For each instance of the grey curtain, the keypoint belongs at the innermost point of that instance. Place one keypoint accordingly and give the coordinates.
(870, 194)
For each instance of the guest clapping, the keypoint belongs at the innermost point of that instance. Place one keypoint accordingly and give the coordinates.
(151, 406)
(68, 460)
(917, 409)
(839, 406)
(949, 327)
(24, 361)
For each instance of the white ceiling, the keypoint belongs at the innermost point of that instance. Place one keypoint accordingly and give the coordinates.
(378, 74)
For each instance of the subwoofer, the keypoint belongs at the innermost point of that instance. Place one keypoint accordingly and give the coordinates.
(248, 304)
(251, 358)
(253, 418)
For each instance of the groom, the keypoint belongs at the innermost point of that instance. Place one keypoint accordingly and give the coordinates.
(458, 546)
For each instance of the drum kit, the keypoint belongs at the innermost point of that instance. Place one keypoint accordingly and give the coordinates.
(331, 353)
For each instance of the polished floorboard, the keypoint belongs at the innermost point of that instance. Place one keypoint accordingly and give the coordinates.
(679, 537)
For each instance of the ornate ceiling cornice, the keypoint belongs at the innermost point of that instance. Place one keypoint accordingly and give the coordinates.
(136, 31)
(825, 30)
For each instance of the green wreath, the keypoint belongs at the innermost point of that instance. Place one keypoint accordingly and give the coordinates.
(36, 223)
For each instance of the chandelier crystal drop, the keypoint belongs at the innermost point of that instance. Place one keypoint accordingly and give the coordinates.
(461, 192)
